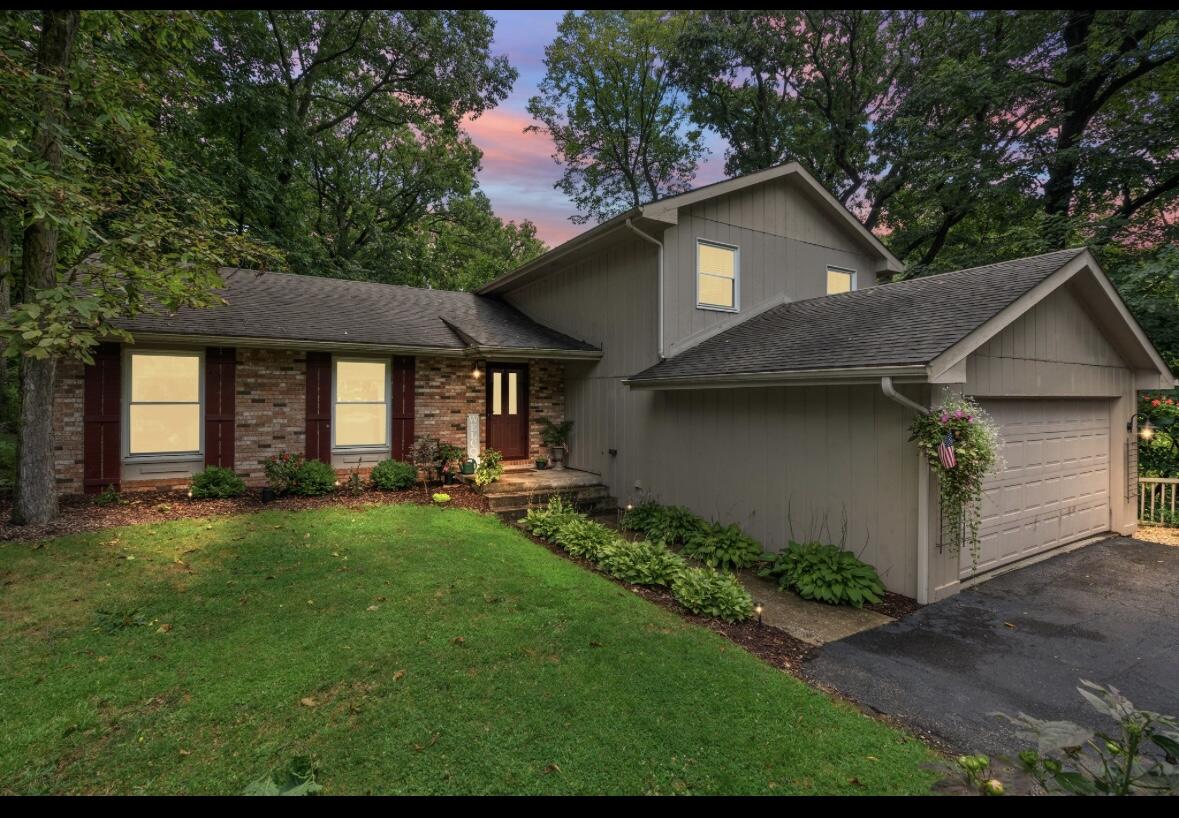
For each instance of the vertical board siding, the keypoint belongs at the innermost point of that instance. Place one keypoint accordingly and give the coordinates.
(404, 368)
(220, 406)
(101, 420)
(319, 406)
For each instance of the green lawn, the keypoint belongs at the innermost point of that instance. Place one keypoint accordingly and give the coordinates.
(405, 650)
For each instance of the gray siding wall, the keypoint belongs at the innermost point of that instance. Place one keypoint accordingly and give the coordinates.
(790, 462)
(786, 244)
(610, 301)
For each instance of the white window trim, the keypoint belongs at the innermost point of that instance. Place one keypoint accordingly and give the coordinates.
(736, 276)
(855, 277)
(125, 409)
(387, 446)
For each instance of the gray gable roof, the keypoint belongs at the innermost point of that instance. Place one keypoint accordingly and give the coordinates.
(907, 323)
(284, 306)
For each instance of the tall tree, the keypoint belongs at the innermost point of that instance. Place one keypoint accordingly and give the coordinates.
(333, 131)
(112, 226)
(618, 122)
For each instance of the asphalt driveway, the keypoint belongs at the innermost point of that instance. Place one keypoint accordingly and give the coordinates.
(1108, 612)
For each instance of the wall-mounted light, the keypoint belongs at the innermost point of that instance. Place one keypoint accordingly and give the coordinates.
(1146, 432)
(476, 373)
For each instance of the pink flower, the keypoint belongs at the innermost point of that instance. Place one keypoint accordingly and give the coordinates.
(1154, 402)
(945, 417)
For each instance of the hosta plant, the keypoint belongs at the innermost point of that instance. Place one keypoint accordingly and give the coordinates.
(582, 537)
(641, 562)
(711, 593)
(546, 521)
(825, 573)
(667, 524)
(725, 547)
(1140, 757)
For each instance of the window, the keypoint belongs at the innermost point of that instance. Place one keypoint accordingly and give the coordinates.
(362, 402)
(840, 280)
(164, 406)
(716, 276)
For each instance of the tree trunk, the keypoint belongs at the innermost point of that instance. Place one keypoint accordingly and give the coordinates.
(36, 493)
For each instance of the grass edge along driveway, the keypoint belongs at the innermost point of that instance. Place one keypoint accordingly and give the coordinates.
(403, 649)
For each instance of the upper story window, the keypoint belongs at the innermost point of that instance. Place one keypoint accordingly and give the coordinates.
(164, 404)
(361, 402)
(717, 271)
(840, 280)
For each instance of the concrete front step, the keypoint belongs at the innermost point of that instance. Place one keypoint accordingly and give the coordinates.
(586, 498)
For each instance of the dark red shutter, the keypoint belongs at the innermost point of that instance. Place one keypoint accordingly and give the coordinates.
(101, 420)
(220, 372)
(403, 406)
(319, 406)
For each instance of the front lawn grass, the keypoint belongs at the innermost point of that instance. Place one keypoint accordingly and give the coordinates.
(403, 649)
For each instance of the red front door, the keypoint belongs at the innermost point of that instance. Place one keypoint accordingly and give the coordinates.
(507, 410)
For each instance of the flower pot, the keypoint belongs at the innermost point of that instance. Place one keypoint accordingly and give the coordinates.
(542, 464)
(268, 495)
(557, 456)
(468, 466)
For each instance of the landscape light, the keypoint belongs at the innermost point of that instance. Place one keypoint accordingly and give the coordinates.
(757, 609)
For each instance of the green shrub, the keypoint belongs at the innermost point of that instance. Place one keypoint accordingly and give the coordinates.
(393, 475)
(282, 470)
(711, 593)
(440, 498)
(490, 468)
(724, 547)
(313, 478)
(824, 572)
(546, 522)
(109, 496)
(216, 482)
(582, 537)
(642, 562)
(666, 524)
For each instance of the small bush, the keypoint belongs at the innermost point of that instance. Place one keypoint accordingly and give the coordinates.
(723, 547)
(582, 537)
(216, 482)
(824, 572)
(642, 562)
(393, 475)
(546, 522)
(313, 478)
(440, 498)
(490, 468)
(667, 524)
(109, 496)
(282, 470)
(711, 593)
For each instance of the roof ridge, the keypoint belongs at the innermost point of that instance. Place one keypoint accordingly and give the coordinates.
(313, 277)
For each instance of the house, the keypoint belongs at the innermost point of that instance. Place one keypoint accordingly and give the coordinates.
(728, 349)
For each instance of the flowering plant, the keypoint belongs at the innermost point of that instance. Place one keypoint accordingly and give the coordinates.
(282, 471)
(1158, 444)
(962, 424)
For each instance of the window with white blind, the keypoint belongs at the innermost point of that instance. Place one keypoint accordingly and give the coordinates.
(361, 403)
(163, 403)
(717, 276)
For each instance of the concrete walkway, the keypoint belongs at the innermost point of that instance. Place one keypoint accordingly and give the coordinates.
(813, 622)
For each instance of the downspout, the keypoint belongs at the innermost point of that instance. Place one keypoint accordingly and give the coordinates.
(922, 496)
(658, 244)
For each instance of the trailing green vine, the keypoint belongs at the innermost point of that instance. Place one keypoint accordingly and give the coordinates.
(974, 437)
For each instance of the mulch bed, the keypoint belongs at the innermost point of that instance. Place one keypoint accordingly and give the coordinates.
(772, 645)
(80, 514)
(895, 605)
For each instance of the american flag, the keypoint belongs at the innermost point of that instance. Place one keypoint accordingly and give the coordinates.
(945, 451)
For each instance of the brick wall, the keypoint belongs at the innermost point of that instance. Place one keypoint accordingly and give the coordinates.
(271, 404)
(271, 399)
(67, 426)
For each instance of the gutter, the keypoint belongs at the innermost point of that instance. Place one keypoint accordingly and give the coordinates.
(886, 386)
(915, 373)
(658, 244)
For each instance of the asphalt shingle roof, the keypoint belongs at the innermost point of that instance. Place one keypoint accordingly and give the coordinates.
(284, 306)
(910, 322)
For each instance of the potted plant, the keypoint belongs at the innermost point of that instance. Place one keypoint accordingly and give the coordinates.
(556, 437)
(542, 463)
(448, 454)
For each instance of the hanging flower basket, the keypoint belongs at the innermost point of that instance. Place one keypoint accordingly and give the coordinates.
(961, 442)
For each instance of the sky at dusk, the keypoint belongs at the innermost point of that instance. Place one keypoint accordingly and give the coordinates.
(518, 171)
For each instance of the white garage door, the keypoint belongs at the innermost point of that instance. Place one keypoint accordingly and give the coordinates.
(1055, 487)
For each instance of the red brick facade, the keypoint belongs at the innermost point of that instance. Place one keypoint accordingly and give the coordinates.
(271, 405)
